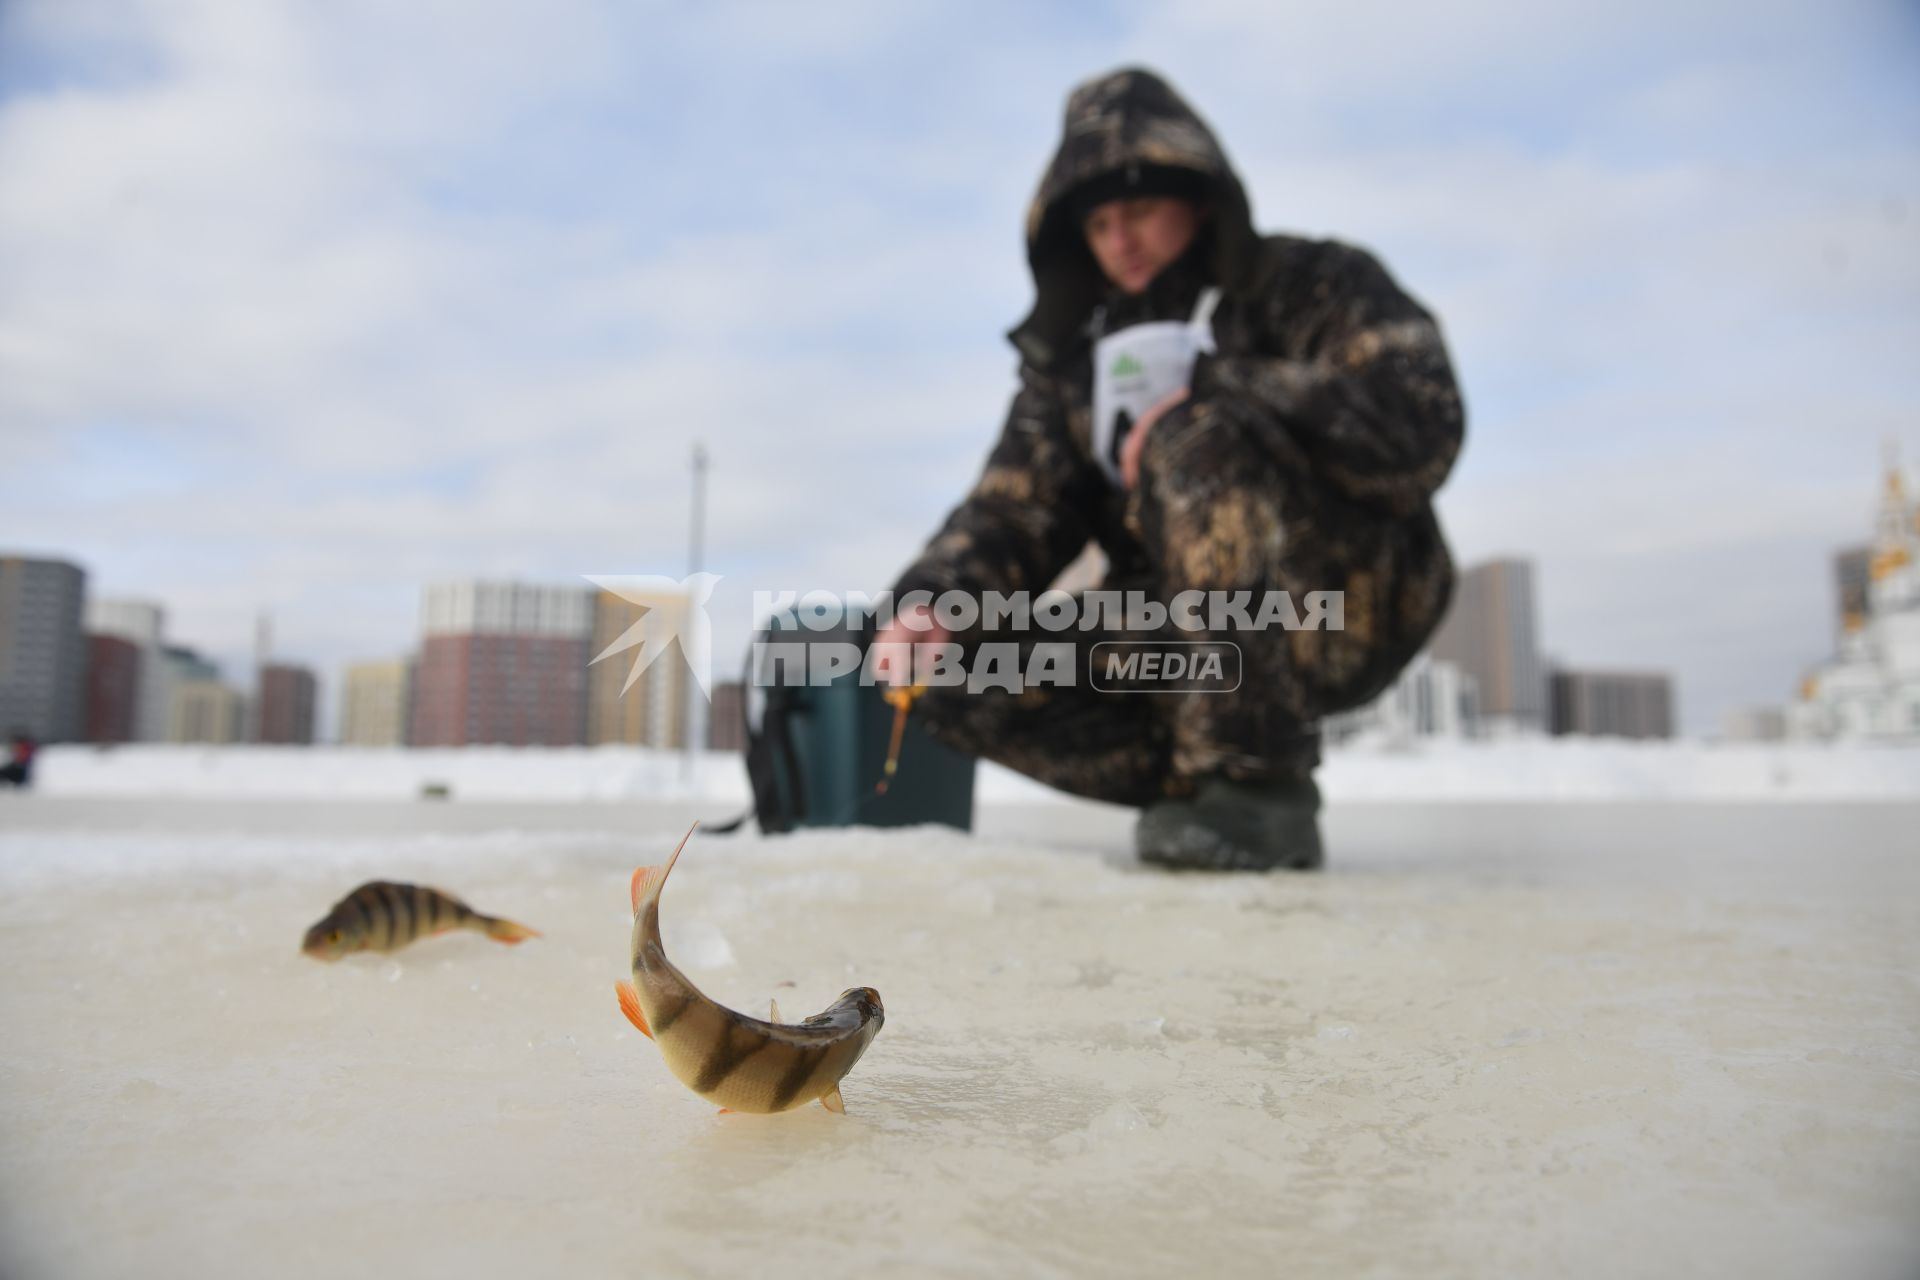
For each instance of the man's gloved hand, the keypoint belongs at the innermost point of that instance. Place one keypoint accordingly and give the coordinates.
(912, 625)
(1137, 438)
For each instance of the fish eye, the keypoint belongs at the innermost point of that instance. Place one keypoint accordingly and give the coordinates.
(333, 937)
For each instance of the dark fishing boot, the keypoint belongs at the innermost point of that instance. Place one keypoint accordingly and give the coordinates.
(1235, 826)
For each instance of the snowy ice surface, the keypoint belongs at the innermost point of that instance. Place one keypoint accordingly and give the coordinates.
(1513, 1040)
(1526, 769)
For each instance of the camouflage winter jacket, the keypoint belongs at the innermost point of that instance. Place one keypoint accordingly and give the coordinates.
(1344, 374)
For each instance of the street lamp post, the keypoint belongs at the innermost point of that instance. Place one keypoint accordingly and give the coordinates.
(694, 722)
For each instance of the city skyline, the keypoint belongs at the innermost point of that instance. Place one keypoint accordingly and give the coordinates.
(1537, 657)
(1490, 645)
(306, 308)
(507, 662)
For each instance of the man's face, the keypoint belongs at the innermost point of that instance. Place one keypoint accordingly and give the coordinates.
(1133, 239)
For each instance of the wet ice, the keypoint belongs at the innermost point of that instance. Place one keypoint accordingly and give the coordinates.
(1570, 1039)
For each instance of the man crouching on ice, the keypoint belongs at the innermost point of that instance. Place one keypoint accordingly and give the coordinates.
(1317, 417)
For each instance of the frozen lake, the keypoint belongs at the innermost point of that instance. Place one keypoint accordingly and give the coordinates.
(1590, 1039)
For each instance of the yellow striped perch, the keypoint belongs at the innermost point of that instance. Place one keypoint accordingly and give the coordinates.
(737, 1062)
(383, 916)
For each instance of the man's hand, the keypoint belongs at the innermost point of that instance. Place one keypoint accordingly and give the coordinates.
(912, 625)
(1137, 438)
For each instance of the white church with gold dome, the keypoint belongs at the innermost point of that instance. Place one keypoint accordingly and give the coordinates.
(1870, 692)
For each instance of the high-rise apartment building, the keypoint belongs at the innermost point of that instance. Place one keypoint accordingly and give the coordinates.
(653, 712)
(113, 689)
(206, 711)
(1491, 633)
(726, 723)
(1611, 704)
(141, 623)
(286, 701)
(374, 703)
(502, 662)
(1429, 699)
(43, 650)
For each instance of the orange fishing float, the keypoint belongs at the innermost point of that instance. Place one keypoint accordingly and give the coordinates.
(901, 700)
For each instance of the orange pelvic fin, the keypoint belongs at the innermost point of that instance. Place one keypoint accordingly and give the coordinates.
(831, 1101)
(630, 1005)
(647, 880)
(508, 932)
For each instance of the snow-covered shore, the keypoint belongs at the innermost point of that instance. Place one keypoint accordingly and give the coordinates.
(1541, 769)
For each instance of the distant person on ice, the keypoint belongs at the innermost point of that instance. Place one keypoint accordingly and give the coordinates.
(1301, 456)
(18, 770)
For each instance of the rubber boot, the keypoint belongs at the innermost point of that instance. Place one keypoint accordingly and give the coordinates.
(1235, 826)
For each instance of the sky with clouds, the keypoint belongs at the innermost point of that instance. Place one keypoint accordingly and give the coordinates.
(305, 306)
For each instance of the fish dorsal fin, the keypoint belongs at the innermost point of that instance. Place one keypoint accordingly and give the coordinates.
(647, 880)
(773, 1011)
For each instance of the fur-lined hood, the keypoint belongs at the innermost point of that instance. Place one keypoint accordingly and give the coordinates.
(1117, 126)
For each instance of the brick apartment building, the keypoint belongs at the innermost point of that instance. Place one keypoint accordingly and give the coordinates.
(113, 689)
(286, 700)
(502, 663)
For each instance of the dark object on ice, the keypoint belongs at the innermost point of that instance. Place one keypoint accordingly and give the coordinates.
(1235, 826)
(384, 916)
(436, 791)
(815, 752)
(18, 770)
